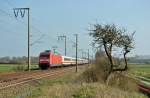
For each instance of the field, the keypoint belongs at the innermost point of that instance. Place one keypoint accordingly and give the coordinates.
(137, 69)
(15, 67)
(140, 69)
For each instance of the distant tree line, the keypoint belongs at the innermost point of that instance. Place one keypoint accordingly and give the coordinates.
(134, 60)
(17, 60)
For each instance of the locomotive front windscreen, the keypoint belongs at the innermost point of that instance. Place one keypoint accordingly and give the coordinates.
(44, 58)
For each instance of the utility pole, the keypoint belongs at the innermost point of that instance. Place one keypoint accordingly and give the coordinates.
(76, 52)
(88, 57)
(61, 38)
(82, 54)
(92, 58)
(22, 13)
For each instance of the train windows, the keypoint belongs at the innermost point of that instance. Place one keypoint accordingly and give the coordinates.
(67, 59)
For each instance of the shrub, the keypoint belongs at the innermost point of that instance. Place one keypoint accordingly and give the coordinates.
(88, 76)
(97, 72)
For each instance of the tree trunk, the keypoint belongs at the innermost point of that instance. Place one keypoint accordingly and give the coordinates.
(126, 64)
(109, 57)
(125, 60)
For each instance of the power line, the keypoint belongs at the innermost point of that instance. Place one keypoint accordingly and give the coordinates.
(19, 20)
(70, 41)
(36, 29)
(38, 40)
(33, 27)
(9, 3)
(9, 15)
(4, 12)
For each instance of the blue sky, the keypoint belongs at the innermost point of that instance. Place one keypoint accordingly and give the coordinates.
(58, 17)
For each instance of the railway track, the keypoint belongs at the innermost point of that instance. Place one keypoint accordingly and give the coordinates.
(34, 76)
(143, 85)
(22, 87)
(21, 78)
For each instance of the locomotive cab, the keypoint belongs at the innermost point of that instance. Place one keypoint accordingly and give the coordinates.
(48, 59)
(44, 60)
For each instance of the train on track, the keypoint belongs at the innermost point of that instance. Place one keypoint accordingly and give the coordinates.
(49, 59)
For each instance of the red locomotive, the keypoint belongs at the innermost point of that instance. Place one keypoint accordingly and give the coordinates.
(49, 59)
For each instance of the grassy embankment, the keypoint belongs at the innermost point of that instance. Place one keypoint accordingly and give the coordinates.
(15, 67)
(68, 86)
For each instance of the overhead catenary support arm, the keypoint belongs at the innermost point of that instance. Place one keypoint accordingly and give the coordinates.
(65, 38)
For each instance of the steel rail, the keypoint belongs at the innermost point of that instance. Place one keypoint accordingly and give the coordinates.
(143, 85)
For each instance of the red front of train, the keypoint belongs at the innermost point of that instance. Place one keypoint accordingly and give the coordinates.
(48, 59)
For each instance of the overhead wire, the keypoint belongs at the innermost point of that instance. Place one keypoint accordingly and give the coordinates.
(22, 14)
(33, 27)
(7, 14)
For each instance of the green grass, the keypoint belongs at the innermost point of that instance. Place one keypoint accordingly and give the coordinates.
(6, 67)
(139, 69)
(15, 67)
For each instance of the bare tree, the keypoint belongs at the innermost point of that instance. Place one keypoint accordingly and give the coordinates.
(126, 43)
(109, 36)
(105, 35)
